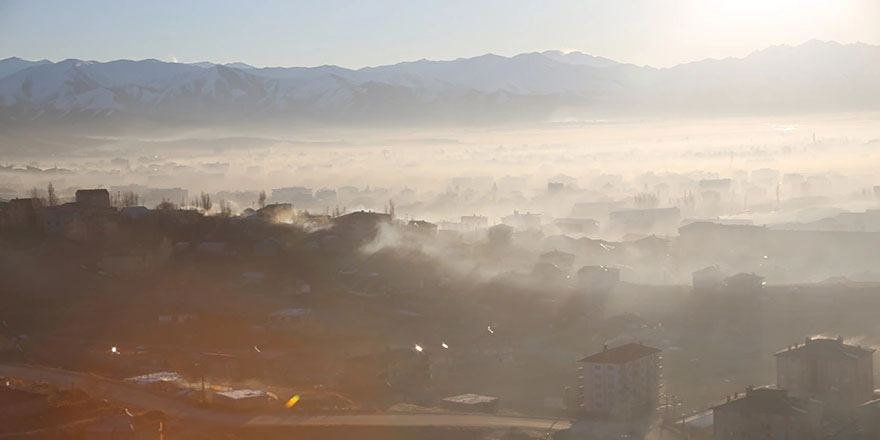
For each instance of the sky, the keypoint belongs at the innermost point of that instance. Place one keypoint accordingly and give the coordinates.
(358, 33)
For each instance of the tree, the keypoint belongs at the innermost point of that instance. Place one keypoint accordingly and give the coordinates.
(646, 200)
(205, 201)
(52, 198)
(262, 200)
(129, 199)
(35, 194)
(225, 208)
(166, 205)
(125, 199)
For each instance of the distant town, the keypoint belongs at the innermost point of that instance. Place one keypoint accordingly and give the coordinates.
(679, 324)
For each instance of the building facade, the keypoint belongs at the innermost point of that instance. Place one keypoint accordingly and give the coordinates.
(94, 198)
(766, 414)
(621, 381)
(841, 375)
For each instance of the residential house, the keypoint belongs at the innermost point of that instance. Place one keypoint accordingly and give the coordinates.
(744, 283)
(277, 213)
(474, 222)
(422, 227)
(645, 221)
(563, 260)
(242, 399)
(708, 279)
(577, 226)
(359, 226)
(598, 278)
(523, 222)
(93, 198)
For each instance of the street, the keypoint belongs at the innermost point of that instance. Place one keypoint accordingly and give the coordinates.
(128, 394)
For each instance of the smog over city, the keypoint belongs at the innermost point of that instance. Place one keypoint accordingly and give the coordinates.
(440, 220)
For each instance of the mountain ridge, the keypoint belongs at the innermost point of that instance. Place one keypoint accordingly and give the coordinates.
(813, 76)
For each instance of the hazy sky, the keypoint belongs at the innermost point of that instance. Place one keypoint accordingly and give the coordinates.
(357, 33)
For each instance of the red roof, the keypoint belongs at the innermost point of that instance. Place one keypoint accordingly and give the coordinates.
(621, 355)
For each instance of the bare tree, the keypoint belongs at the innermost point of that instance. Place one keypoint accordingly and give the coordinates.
(205, 202)
(262, 199)
(35, 194)
(129, 199)
(125, 199)
(646, 200)
(52, 198)
(225, 208)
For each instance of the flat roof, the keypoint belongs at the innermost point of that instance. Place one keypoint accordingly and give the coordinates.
(161, 376)
(470, 399)
(243, 394)
(766, 401)
(825, 348)
(622, 354)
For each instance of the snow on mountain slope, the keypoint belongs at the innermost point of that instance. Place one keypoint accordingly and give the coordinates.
(578, 58)
(815, 76)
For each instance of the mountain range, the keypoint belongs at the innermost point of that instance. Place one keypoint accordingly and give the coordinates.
(813, 77)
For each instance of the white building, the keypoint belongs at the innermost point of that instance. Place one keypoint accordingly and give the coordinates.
(622, 381)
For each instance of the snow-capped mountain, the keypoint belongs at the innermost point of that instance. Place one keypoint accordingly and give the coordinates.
(578, 58)
(815, 76)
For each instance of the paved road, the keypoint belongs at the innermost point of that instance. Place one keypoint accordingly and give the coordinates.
(130, 395)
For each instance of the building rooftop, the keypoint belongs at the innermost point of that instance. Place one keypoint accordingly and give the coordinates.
(598, 269)
(159, 377)
(765, 401)
(743, 277)
(557, 254)
(622, 354)
(711, 270)
(92, 191)
(701, 420)
(825, 348)
(243, 394)
(422, 224)
(362, 215)
(470, 399)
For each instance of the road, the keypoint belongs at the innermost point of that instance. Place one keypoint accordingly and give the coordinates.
(128, 394)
